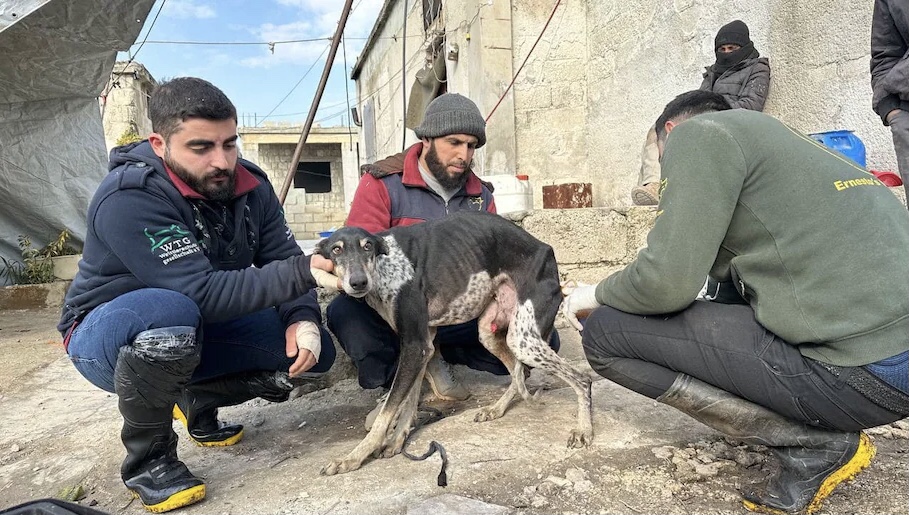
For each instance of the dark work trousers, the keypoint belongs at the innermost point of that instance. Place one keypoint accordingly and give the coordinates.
(899, 126)
(723, 345)
(373, 346)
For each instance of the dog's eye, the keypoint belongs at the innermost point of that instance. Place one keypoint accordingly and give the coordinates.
(367, 246)
(337, 251)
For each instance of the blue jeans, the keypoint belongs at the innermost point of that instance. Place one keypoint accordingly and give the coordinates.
(249, 343)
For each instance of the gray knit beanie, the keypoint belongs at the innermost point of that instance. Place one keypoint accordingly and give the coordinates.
(452, 113)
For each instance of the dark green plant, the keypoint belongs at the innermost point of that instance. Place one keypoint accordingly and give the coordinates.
(58, 247)
(36, 266)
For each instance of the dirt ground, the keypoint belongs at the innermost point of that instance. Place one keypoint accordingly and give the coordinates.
(58, 431)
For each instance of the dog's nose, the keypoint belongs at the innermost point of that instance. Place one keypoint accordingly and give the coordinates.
(359, 282)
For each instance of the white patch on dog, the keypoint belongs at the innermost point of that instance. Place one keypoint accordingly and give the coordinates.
(466, 306)
(393, 271)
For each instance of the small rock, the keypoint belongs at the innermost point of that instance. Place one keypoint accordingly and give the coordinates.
(663, 453)
(258, 420)
(15, 448)
(71, 493)
(582, 486)
(93, 502)
(539, 501)
(575, 474)
(558, 481)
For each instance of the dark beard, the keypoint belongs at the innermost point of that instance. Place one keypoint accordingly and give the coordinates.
(212, 191)
(439, 171)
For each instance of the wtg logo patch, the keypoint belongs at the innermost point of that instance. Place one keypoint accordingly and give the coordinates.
(172, 243)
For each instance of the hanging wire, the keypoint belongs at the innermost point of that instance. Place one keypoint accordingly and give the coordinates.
(347, 90)
(510, 84)
(404, 77)
(313, 65)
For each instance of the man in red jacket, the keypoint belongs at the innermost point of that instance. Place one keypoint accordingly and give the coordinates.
(428, 181)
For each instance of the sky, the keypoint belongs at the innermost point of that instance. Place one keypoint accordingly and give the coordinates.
(253, 76)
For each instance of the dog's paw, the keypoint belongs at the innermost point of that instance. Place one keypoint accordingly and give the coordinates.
(486, 414)
(340, 467)
(578, 439)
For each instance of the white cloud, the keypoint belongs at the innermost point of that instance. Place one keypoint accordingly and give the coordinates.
(187, 9)
(317, 19)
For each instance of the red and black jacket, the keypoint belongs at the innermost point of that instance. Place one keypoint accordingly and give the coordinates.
(392, 193)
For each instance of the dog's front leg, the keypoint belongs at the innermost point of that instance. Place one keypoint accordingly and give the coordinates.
(422, 349)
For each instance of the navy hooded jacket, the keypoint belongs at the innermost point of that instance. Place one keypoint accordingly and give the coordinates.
(146, 231)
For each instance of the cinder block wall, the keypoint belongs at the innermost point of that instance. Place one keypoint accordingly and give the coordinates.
(307, 213)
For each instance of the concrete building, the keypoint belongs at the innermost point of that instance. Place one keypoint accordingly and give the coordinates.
(124, 102)
(325, 178)
(603, 71)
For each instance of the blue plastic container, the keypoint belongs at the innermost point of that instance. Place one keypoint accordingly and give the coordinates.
(844, 142)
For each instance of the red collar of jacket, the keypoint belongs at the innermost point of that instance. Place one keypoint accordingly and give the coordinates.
(412, 176)
(246, 182)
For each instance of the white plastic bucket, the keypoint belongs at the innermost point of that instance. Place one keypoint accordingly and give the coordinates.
(512, 192)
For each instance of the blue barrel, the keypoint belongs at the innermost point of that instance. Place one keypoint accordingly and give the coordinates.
(844, 142)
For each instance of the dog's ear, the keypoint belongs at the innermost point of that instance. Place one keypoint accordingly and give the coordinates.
(381, 246)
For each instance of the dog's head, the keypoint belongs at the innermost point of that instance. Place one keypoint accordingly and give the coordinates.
(354, 252)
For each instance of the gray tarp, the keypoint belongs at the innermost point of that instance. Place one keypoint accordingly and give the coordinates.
(55, 58)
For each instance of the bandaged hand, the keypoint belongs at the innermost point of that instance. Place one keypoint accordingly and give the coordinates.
(579, 298)
(327, 280)
(320, 268)
(303, 340)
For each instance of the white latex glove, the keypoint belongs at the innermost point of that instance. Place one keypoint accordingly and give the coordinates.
(578, 297)
(327, 280)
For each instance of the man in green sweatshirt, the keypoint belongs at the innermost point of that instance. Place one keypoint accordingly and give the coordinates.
(818, 347)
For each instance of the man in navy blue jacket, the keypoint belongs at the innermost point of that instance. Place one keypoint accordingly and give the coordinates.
(192, 292)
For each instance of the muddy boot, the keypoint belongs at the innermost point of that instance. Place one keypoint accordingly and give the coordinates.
(646, 195)
(443, 384)
(813, 461)
(148, 378)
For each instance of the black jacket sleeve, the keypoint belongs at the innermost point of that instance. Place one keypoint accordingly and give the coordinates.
(278, 243)
(888, 50)
(145, 233)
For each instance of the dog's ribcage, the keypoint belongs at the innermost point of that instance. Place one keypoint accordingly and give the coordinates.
(395, 270)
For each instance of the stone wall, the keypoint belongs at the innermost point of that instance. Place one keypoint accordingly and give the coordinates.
(307, 213)
(126, 104)
(603, 71)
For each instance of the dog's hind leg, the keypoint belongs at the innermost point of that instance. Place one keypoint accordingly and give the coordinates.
(493, 326)
(526, 342)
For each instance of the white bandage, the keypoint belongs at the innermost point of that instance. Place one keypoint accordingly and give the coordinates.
(310, 338)
(326, 280)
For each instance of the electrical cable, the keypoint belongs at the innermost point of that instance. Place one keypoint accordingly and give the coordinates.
(513, 79)
(313, 65)
(404, 76)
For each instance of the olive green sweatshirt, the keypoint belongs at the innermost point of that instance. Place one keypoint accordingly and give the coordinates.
(817, 246)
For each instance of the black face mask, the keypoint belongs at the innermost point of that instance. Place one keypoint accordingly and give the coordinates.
(726, 61)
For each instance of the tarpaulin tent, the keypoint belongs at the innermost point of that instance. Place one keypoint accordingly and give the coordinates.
(57, 56)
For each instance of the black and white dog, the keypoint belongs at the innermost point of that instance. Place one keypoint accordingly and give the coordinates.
(445, 272)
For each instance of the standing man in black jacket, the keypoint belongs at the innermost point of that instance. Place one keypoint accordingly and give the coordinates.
(890, 75)
(739, 73)
(192, 293)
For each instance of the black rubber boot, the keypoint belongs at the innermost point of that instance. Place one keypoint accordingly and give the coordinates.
(813, 461)
(198, 407)
(148, 378)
